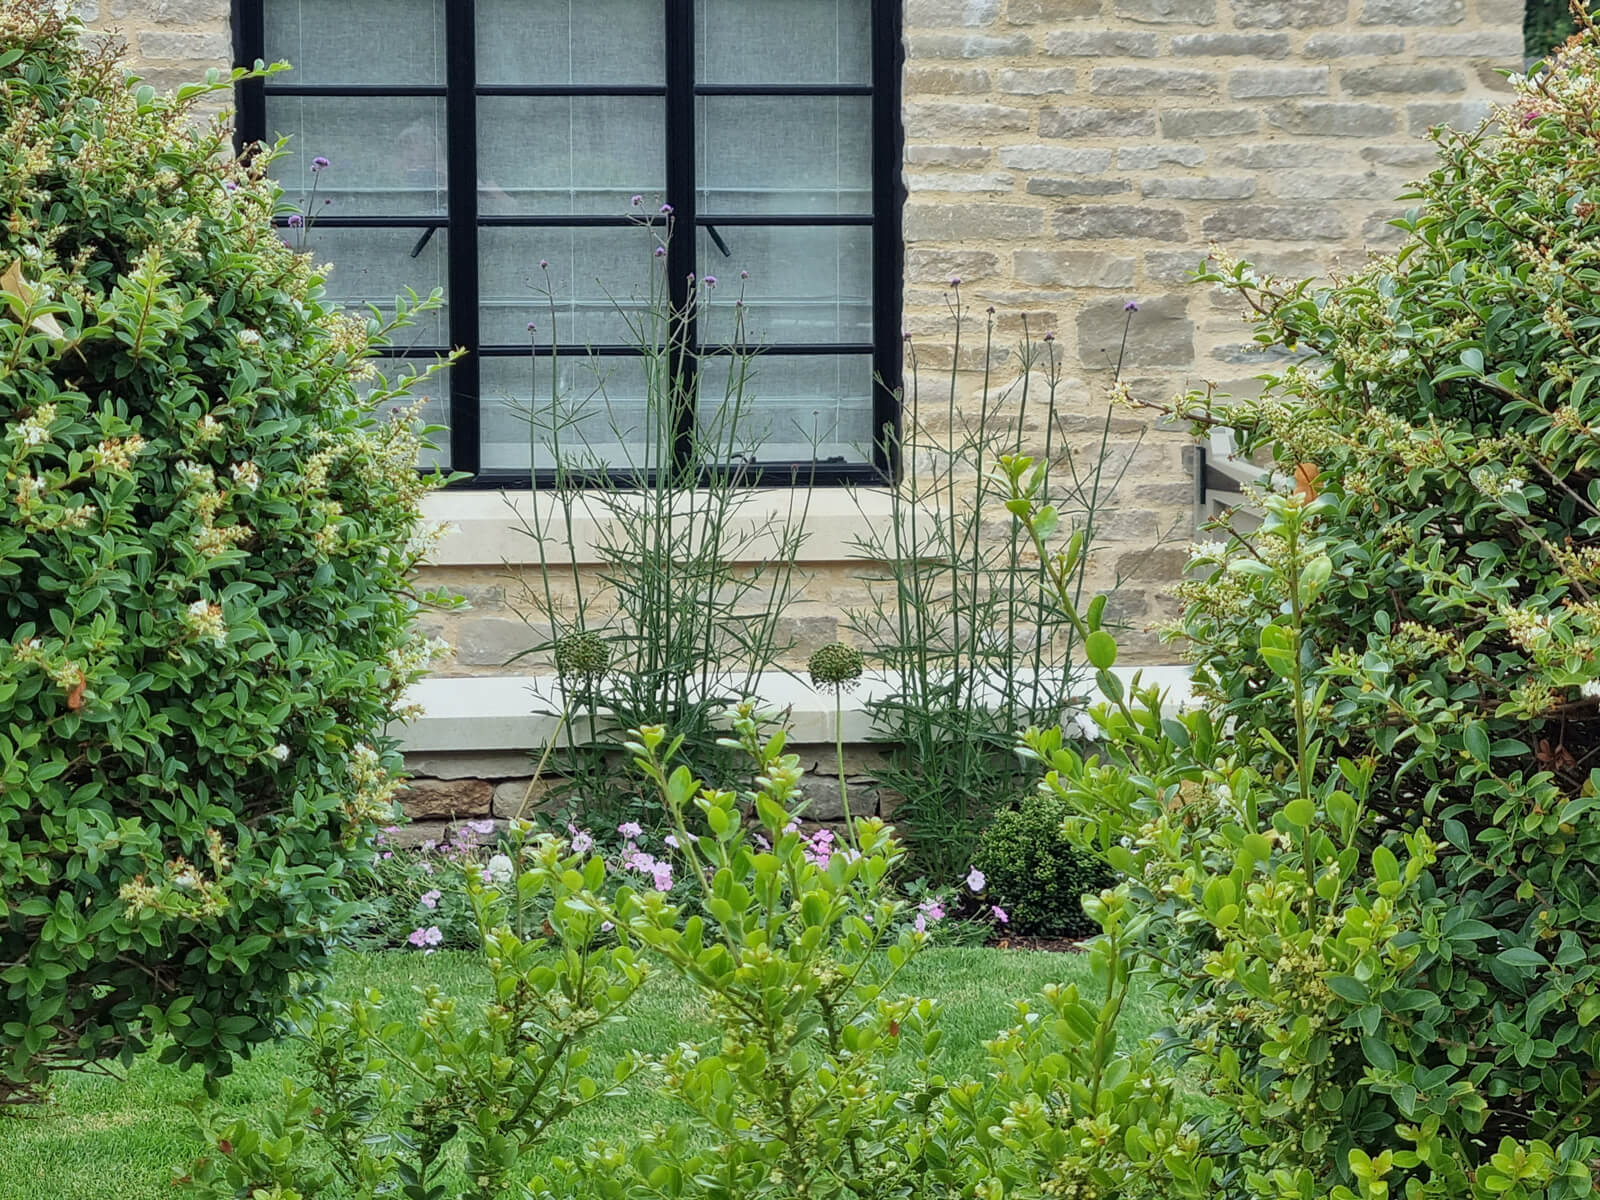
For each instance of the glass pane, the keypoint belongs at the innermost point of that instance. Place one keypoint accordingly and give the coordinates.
(571, 41)
(386, 156)
(782, 408)
(783, 41)
(805, 285)
(373, 266)
(604, 417)
(578, 154)
(789, 154)
(435, 393)
(599, 280)
(357, 41)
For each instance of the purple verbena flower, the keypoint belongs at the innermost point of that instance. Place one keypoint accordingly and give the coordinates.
(1130, 307)
(711, 281)
(667, 210)
(296, 221)
(637, 201)
(544, 264)
(955, 281)
(661, 251)
(318, 163)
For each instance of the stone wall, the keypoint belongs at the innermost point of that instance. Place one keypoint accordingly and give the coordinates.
(1065, 157)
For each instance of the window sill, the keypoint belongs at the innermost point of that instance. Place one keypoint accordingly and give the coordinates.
(492, 529)
(516, 713)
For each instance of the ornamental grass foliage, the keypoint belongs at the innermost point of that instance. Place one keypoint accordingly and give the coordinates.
(205, 619)
(1368, 864)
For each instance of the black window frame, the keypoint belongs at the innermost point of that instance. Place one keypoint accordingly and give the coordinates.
(461, 92)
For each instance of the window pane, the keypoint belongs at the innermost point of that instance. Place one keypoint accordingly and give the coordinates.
(781, 407)
(571, 41)
(805, 285)
(386, 156)
(783, 41)
(435, 393)
(600, 280)
(789, 154)
(604, 416)
(373, 266)
(580, 154)
(357, 41)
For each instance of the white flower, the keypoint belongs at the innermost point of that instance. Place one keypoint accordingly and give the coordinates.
(498, 870)
(1590, 689)
(280, 752)
(249, 337)
(247, 476)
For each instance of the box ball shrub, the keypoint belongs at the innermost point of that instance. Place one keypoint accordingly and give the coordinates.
(1035, 873)
(205, 621)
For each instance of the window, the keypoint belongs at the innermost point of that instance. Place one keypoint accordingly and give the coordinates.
(473, 140)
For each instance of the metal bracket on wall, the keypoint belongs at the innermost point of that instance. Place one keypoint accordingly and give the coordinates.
(1220, 475)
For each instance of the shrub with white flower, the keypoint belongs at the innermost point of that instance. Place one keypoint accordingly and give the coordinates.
(191, 660)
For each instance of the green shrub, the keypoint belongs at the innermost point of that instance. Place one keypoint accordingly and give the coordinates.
(1546, 24)
(204, 542)
(1374, 903)
(1035, 873)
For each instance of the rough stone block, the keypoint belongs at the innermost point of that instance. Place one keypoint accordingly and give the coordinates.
(948, 45)
(1189, 187)
(1374, 81)
(947, 156)
(1464, 115)
(1273, 156)
(1084, 161)
(1316, 185)
(940, 13)
(447, 798)
(1144, 81)
(1354, 45)
(1401, 156)
(214, 49)
(1294, 14)
(1048, 186)
(1413, 12)
(1102, 44)
(1074, 268)
(1276, 222)
(941, 119)
(957, 222)
(1150, 157)
(1097, 122)
(946, 80)
(1173, 266)
(1168, 12)
(1254, 83)
(1160, 334)
(1030, 12)
(472, 765)
(168, 12)
(1119, 221)
(494, 641)
(963, 181)
(938, 263)
(1220, 45)
(1183, 123)
(1332, 118)
(1037, 81)
(1503, 47)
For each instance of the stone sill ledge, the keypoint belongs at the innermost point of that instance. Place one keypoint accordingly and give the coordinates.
(508, 714)
(491, 529)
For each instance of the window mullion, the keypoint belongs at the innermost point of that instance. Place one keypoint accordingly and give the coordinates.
(681, 182)
(461, 126)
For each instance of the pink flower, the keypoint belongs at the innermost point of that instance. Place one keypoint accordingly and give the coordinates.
(1000, 914)
(661, 876)
(430, 899)
(920, 924)
(638, 860)
(426, 937)
(931, 908)
(630, 829)
(582, 842)
(672, 840)
(976, 880)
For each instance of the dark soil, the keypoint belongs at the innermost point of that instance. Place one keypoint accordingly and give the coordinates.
(1052, 945)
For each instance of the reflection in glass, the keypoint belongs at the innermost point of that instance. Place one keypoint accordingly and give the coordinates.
(599, 278)
(783, 41)
(806, 285)
(569, 154)
(785, 154)
(386, 156)
(357, 41)
(787, 408)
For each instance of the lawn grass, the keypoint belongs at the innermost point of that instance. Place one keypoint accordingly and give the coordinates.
(105, 1139)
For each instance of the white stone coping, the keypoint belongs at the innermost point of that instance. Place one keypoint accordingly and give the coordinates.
(487, 528)
(486, 714)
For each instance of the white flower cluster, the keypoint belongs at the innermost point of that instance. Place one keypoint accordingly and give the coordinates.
(35, 430)
(204, 621)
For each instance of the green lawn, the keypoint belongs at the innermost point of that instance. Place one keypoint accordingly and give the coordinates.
(106, 1139)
